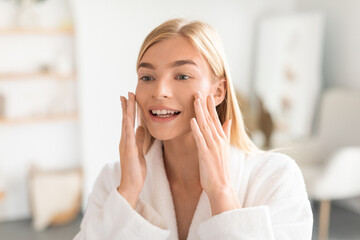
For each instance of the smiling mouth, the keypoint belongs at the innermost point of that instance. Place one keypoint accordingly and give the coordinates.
(164, 113)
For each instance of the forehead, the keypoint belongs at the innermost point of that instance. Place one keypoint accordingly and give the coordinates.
(173, 49)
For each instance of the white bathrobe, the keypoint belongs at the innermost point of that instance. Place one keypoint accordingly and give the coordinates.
(270, 188)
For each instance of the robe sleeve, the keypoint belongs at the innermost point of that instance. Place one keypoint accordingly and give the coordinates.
(109, 216)
(281, 209)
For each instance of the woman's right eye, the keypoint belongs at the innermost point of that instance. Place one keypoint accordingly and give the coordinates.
(146, 78)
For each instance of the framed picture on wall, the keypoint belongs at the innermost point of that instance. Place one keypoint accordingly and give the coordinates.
(288, 72)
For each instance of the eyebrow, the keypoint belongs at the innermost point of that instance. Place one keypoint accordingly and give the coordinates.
(174, 64)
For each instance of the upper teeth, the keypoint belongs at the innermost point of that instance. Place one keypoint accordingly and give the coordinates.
(163, 111)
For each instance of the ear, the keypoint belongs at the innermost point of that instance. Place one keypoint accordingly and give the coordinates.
(219, 91)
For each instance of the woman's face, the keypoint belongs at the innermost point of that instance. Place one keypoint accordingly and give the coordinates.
(169, 74)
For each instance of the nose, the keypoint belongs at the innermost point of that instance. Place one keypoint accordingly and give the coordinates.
(162, 89)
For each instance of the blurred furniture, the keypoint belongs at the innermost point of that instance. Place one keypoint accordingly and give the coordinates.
(2, 187)
(55, 196)
(38, 106)
(257, 121)
(37, 75)
(2, 195)
(330, 161)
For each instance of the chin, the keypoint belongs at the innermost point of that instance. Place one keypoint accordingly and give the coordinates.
(163, 136)
(168, 135)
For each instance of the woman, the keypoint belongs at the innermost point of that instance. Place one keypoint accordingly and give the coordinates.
(190, 171)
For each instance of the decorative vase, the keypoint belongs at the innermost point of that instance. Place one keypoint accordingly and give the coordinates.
(2, 106)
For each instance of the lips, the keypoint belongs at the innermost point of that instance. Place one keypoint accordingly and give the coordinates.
(163, 113)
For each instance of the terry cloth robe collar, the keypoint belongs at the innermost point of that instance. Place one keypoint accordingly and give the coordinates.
(161, 197)
(159, 194)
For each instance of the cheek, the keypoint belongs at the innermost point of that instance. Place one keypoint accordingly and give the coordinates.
(205, 90)
(190, 105)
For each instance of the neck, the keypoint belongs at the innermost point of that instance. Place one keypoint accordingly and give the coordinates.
(181, 162)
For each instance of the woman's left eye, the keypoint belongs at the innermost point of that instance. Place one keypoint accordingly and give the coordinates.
(183, 77)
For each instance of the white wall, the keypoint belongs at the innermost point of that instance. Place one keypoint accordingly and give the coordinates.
(109, 35)
(342, 40)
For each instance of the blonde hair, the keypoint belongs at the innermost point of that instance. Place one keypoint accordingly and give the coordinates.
(209, 45)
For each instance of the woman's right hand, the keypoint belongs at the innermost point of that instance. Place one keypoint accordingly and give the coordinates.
(132, 160)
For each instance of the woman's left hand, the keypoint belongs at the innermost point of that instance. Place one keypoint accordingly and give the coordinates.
(213, 144)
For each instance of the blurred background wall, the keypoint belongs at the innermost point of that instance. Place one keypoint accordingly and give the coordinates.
(342, 37)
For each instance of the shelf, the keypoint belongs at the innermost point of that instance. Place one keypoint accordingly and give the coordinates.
(37, 31)
(31, 75)
(38, 119)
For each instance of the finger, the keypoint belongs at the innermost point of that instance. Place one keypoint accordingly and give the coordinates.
(227, 128)
(199, 138)
(130, 135)
(214, 116)
(209, 119)
(201, 121)
(203, 105)
(123, 143)
(123, 124)
(123, 104)
(131, 108)
(140, 136)
(123, 107)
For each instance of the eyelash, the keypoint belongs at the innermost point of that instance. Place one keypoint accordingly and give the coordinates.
(187, 77)
(142, 78)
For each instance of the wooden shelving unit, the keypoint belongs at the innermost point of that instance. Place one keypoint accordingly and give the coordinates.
(37, 31)
(32, 75)
(38, 93)
(28, 76)
(39, 119)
